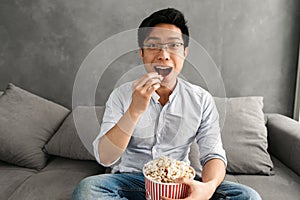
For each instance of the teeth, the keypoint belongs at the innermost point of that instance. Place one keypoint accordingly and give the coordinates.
(163, 71)
(160, 67)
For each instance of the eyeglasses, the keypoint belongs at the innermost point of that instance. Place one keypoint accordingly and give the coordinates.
(173, 47)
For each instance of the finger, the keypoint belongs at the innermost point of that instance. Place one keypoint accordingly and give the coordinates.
(143, 80)
(150, 86)
(153, 88)
(184, 180)
(151, 82)
(165, 198)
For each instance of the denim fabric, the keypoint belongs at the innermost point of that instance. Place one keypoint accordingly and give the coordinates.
(131, 186)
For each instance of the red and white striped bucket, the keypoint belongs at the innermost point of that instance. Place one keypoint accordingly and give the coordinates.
(154, 190)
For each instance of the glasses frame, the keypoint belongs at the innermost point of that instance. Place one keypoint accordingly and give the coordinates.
(159, 46)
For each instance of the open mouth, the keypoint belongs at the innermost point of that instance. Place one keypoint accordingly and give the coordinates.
(163, 71)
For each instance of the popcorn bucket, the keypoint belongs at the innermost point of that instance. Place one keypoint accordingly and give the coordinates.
(160, 175)
(154, 190)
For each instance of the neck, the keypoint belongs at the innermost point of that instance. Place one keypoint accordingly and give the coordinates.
(164, 92)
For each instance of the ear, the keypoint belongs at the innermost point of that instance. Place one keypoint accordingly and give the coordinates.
(141, 51)
(186, 51)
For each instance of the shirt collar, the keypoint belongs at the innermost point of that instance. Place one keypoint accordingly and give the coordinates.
(155, 97)
(175, 91)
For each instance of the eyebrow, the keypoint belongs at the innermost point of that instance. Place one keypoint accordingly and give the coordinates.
(174, 38)
(152, 38)
(157, 38)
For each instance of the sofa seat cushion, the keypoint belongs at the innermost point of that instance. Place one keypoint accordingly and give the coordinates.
(12, 177)
(56, 181)
(285, 184)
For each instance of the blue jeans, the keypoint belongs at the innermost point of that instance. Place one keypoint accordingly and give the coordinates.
(131, 186)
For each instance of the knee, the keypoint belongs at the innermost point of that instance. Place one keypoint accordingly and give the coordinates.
(83, 189)
(250, 194)
(238, 191)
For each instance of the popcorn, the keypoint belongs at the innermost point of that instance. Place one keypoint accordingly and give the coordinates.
(167, 170)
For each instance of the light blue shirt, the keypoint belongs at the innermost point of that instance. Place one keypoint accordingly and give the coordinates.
(166, 130)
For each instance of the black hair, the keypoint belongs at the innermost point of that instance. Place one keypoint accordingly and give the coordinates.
(165, 16)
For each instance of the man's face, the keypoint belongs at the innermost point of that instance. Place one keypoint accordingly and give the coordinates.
(166, 59)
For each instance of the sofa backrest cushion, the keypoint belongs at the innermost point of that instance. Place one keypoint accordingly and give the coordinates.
(75, 136)
(244, 135)
(27, 122)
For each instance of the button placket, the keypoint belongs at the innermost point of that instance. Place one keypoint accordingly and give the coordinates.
(159, 128)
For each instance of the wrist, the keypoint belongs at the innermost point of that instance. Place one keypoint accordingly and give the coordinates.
(126, 123)
(133, 114)
(212, 186)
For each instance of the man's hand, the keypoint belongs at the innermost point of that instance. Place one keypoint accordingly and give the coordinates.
(143, 89)
(197, 189)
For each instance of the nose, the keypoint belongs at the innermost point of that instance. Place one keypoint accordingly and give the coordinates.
(163, 54)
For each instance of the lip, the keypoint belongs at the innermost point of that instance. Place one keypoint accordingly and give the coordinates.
(163, 70)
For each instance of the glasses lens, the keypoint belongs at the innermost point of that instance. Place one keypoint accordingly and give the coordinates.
(171, 47)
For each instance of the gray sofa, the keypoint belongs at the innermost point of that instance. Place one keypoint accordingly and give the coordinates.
(67, 165)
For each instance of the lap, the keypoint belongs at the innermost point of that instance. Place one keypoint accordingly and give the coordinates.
(111, 186)
(235, 191)
(132, 186)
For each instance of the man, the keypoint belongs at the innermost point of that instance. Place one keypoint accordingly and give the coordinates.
(160, 115)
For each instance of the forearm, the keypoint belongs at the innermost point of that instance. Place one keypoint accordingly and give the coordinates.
(121, 133)
(115, 141)
(214, 172)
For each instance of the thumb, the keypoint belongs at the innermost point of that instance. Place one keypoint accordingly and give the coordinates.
(184, 181)
(153, 88)
(165, 198)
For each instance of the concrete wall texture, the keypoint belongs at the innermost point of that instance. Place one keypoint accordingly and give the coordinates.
(253, 43)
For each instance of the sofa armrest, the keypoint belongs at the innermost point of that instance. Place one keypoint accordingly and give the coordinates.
(284, 140)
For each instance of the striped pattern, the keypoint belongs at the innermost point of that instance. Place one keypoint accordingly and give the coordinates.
(155, 190)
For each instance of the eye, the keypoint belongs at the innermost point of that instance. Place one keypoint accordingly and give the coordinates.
(152, 45)
(174, 45)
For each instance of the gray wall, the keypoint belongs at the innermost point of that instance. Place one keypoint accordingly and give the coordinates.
(297, 94)
(254, 44)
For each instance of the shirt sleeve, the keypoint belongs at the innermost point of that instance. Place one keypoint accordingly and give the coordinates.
(114, 110)
(208, 135)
